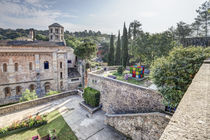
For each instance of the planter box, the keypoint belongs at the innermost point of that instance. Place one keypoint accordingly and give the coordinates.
(89, 108)
(20, 129)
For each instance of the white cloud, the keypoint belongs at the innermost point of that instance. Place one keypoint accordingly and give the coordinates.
(16, 15)
(32, 1)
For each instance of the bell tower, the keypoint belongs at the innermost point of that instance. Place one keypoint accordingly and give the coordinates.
(56, 33)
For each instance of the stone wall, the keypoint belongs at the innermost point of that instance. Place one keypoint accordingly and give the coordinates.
(39, 101)
(24, 85)
(141, 126)
(122, 97)
(43, 80)
(192, 117)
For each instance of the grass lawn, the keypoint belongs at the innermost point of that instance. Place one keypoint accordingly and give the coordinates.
(55, 121)
(144, 83)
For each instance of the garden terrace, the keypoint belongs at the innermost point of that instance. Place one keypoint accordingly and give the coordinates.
(112, 73)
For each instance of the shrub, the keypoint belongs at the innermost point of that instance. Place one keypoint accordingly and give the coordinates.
(174, 73)
(51, 92)
(27, 95)
(91, 97)
(120, 70)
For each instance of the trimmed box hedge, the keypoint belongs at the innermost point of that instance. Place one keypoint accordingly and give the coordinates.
(91, 97)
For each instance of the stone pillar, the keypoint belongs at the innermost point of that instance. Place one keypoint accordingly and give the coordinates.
(65, 82)
(55, 71)
(10, 70)
(11, 75)
(37, 69)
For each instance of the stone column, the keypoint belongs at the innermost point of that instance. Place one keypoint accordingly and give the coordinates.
(11, 75)
(65, 82)
(55, 71)
(37, 69)
(11, 71)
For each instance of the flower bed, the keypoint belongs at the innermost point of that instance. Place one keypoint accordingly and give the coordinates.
(23, 125)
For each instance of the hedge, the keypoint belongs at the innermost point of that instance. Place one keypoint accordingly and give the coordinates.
(91, 97)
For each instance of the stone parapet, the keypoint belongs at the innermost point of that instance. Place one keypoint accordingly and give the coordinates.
(192, 117)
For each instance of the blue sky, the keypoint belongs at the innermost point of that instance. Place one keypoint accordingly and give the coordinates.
(104, 15)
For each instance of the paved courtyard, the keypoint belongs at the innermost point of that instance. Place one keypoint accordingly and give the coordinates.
(8, 119)
(85, 126)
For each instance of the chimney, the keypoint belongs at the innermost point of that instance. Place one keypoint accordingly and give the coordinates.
(31, 34)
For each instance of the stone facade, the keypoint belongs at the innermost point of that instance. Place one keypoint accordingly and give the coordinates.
(141, 126)
(35, 65)
(192, 117)
(122, 97)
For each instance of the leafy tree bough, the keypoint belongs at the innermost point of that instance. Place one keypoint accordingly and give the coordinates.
(173, 74)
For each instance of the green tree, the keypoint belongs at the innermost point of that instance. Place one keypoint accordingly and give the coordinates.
(129, 32)
(28, 95)
(174, 73)
(42, 37)
(111, 51)
(104, 51)
(203, 17)
(135, 28)
(118, 51)
(125, 47)
(146, 48)
(196, 27)
(182, 31)
(85, 51)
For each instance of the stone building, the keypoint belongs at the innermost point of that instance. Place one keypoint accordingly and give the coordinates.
(56, 33)
(36, 65)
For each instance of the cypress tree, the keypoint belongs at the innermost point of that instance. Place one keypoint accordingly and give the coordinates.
(129, 32)
(125, 47)
(118, 51)
(111, 51)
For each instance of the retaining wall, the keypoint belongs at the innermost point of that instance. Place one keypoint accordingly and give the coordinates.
(140, 126)
(24, 105)
(122, 97)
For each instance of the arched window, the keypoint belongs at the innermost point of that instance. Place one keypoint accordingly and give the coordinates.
(46, 65)
(18, 90)
(32, 87)
(47, 87)
(56, 31)
(61, 65)
(61, 75)
(7, 92)
(16, 66)
(4, 67)
(30, 66)
(61, 85)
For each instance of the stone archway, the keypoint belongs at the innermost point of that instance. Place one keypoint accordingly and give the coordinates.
(18, 90)
(47, 87)
(7, 92)
(32, 87)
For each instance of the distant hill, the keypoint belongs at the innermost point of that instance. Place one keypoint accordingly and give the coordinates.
(43, 34)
